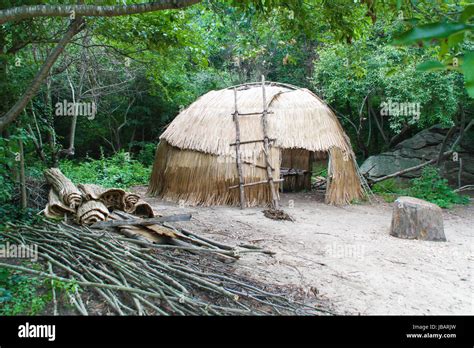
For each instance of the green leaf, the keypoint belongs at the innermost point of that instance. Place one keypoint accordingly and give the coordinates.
(431, 65)
(468, 70)
(431, 31)
(444, 49)
(391, 72)
(455, 39)
(467, 13)
(399, 4)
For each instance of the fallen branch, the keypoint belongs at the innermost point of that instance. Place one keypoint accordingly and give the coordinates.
(142, 222)
(407, 170)
(465, 188)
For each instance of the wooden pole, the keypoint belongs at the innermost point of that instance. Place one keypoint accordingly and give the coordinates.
(237, 152)
(266, 149)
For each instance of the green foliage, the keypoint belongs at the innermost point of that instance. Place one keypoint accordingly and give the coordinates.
(345, 75)
(19, 294)
(146, 156)
(452, 36)
(9, 165)
(24, 294)
(116, 171)
(389, 189)
(431, 31)
(10, 212)
(430, 186)
(433, 188)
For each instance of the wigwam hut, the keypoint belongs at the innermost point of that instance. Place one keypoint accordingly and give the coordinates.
(195, 160)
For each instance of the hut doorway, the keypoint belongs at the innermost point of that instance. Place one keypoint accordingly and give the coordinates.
(298, 166)
(296, 169)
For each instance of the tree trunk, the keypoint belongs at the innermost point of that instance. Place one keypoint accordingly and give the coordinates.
(16, 109)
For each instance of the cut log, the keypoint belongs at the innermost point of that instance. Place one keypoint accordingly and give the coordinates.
(415, 218)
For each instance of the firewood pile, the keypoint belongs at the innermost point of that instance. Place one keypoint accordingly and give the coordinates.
(115, 252)
(126, 276)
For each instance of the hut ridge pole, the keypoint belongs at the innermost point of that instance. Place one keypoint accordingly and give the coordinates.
(266, 148)
(237, 152)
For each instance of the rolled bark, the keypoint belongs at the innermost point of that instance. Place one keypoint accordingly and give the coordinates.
(68, 193)
(91, 191)
(129, 201)
(142, 209)
(91, 212)
(113, 198)
(55, 208)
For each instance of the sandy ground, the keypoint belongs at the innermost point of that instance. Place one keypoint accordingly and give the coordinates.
(345, 255)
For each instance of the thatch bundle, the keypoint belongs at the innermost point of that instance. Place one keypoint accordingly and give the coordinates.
(195, 160)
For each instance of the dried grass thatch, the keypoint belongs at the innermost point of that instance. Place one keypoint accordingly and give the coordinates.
(197, 178)
(195, 162)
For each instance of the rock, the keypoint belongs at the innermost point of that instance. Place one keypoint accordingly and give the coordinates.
(388, 163)
(422, 147)
(415, 218)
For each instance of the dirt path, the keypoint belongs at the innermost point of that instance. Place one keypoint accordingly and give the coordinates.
(345, 255)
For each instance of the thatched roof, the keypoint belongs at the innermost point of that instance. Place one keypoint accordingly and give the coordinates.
(299, 119)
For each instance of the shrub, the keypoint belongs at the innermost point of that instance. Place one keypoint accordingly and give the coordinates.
(147, 154)
(116, 171)
(19, 294)
(389, 189)
(431, 187)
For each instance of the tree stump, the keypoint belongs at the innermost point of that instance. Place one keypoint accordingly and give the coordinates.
(415, 218)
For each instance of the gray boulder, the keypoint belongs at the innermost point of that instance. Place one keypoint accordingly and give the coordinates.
(423, 147)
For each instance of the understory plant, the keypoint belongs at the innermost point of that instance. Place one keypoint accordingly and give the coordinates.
(433, 188)
(430, 186)
(116, 171)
